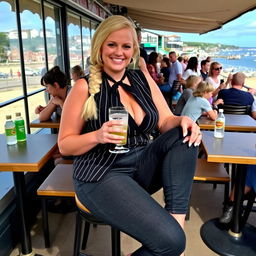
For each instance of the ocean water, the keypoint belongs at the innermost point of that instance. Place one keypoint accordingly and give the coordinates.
(247, 62)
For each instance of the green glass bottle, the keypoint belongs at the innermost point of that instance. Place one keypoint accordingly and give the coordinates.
(20, 128)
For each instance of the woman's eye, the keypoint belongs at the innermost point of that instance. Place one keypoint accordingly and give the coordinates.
(127, 46)
(111, 44)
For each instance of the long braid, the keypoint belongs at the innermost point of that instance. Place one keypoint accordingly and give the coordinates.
(90, 107)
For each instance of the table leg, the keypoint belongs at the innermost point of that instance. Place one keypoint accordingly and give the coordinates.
(235, 229)
(238, 240)
(20, 191)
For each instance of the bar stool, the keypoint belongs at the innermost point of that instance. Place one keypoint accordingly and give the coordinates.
(85, 215)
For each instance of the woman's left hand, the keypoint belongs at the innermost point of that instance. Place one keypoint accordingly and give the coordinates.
(189, 125)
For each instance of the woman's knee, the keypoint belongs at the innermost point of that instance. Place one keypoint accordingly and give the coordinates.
(172, 244)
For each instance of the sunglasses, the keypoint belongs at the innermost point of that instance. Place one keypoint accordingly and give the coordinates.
(217, 69)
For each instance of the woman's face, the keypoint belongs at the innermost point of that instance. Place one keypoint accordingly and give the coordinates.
(117, 51)
(207, 95)
(52, 89)
(216, 70)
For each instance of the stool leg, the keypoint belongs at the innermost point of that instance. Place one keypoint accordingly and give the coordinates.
(78, 229)
(115, 235)
(45, 223)
(86, 234)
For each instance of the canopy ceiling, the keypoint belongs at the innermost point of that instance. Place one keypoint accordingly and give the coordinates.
(195, 16)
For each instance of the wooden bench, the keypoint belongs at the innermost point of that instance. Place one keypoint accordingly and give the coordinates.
(58, 184)
(213, 173)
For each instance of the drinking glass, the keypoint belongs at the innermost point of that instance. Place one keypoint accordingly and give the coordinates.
(121, 114)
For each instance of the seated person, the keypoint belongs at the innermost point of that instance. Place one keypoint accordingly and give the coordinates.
(254, 109)
(249, 185)
(191, 85)
(205, 67)
(77, 72)
(116, 188)
(235, 95)
(199, 104)
(55, 82)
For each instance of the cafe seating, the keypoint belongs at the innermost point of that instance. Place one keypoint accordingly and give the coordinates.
(85, 215)
(213, 173)
(59, 184)
(235, 109)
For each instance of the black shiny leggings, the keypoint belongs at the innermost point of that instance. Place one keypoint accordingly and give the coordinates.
(122, 197)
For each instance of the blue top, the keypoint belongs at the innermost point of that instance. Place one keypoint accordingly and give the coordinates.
(233, 96)
(195, 107)
(92, 165)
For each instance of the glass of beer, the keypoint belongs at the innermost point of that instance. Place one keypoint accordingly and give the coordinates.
(121, 114)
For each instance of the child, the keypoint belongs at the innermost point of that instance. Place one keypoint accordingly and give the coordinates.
(191, 85)
(199, 103)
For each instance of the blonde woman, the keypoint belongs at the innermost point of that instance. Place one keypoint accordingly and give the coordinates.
(199, 103)
(116, 187)
(191, 85)
(214, 78)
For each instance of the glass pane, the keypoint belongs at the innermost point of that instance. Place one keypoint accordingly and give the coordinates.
(11, 110)
(33, 102)
(32, 40)
(74, 40)
(93, 28)
(86, 43)
(53, 37)
(10, 76)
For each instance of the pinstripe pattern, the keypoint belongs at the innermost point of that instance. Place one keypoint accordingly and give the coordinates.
(92, 166)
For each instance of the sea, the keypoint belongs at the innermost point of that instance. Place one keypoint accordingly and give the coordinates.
(245, 62)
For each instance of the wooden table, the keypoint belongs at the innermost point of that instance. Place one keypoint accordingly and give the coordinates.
(29, 156)
(234, 148)
(53, 123)
(238, 123)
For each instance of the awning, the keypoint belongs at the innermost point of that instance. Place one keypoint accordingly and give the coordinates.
(197, 16)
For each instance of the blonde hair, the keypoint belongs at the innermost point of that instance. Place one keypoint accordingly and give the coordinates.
(203, 87)
(192, 81)
(106, 27)
(212, 66)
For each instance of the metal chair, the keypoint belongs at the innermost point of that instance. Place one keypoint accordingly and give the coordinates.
(235, 109)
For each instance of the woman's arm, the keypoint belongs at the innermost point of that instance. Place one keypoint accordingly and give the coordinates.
(45, 114)
(167, 120)
(70, 139)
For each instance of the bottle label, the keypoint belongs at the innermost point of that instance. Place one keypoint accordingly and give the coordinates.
(10, 132)
(20, 130)
(219, 124)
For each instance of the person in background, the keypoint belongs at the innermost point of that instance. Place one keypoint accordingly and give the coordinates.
(205, 67)
(175, 69)
(254, 109)
(190, 70)
(235, 95)
(55, 82)
(214, 79)
(165, 72)
(199, 104)
(181, 60)
(77, 72)
(152, 68)
(117, 188)
(250, 184)
(143, 52)
(191, 84)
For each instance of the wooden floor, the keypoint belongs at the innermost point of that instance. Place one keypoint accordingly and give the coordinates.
(206, 203)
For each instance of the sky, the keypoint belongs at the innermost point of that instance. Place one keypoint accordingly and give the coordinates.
(240, 32)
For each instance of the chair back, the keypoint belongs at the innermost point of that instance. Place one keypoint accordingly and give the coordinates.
(235, 109)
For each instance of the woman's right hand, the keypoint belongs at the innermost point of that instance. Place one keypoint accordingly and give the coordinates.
(105, 133)
(39, 109)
